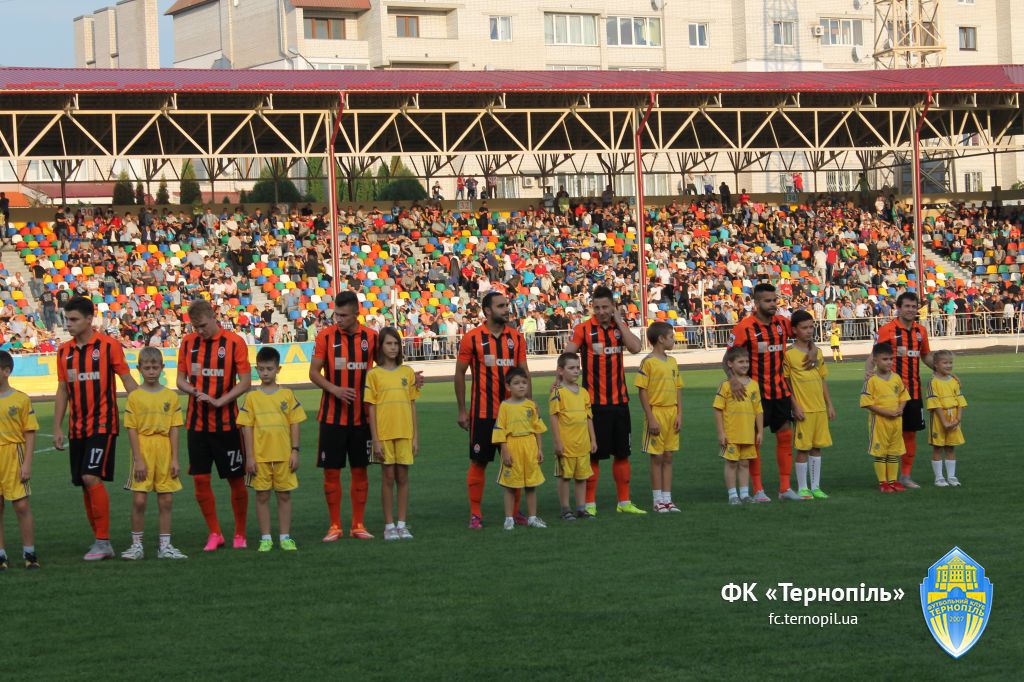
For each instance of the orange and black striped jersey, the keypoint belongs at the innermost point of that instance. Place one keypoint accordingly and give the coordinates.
(909, 346)
(348, 358)
(601, 364)
(90, 372)
(212, 367)
(490, 358)
(766, 344)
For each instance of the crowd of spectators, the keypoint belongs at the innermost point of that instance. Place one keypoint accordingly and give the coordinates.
(423, 268)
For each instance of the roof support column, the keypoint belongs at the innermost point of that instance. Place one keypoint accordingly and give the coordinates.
(332, 195)
(918, 217)
(641, 217)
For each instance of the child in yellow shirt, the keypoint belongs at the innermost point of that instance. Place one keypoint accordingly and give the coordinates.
(885, 396)
(740, 424)
(270, 421)
(661, 396)
(18, 426)
(518, 429)
(946, 403)
(572, 428)
(391, 402)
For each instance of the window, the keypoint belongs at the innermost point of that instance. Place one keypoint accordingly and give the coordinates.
(965, 2)
(508, 187)
(340, 67)
(634, 31)
(407, 27)
(318, 28)
(698, 35)
(840, 180)
(501, 28)
(968, 38)
(842, 32)
(570, 29)
(571, 67)
(972, 182)
(782, 33)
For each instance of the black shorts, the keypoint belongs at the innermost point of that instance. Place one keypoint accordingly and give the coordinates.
(343, 445)
(92, 456)
(223, 448)
(612, 429)
(481, 449)
(778, 412)
(913, 416)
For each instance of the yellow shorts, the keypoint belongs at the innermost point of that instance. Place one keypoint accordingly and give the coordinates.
(812, 433)
(156, 451)
(885, 436)
(668, 439)
(11, 486)
(525, 471)
(577, 468)
(274, 476)
(398, 451)
(942, 437)
(735, 453)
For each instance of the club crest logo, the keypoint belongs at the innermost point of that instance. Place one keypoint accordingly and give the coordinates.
(284, 405)
(12, 411)
(364, 345)
(529, 413)
(405, 382)
(510, 343)
(956, 599)
(221, 353)
(167, 407)
(96, 354)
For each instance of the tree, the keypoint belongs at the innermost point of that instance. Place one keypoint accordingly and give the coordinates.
(1017, 185)
(163, 197)
(263, 192)
(243, 197)
(140, 194)
(315, 180)
(123, 195)
(189, 192)
(402, 189)
(225, 201)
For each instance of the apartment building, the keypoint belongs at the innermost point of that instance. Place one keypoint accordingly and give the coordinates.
(123, 36)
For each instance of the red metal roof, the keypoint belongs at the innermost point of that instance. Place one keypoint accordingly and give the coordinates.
(991, 78)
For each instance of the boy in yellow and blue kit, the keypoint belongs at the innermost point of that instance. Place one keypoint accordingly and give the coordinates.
(270, 422)
(661, 396)
(153, 417)
(885, 396)
(518, 430)
(18, 426)
(572, 429)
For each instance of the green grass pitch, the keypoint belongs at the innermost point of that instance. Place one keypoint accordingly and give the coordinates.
(618, 598)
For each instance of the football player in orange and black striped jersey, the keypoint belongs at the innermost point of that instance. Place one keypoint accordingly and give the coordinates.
(343, 354)
(600, 342)
(765, 335)
(488, 352)
(87, 367)
(909, 341)
(214, 371)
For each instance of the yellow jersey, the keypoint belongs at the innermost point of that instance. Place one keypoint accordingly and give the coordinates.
(739, 417)
(661, 379)
(884, 393)
(573, 412)
(153, 413)
(944, 394)
(517, 419)
(271, 416)
(16, 417)
(392, 391)
(807, 383)
(833, 339)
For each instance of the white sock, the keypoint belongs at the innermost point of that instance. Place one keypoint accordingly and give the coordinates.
(815, 463)
(389, 526)
(656, 494)
(401, 524)
(531, 519)
(951, 468)
(136, 539)
(284, 536)
(744, 491)
(732, 493)
(666, 497)
(265, 537)
(937, 468)
(625, 503)
(165, 540)
(801, 475)
(509, 518)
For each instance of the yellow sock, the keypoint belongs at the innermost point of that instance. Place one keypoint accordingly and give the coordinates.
(892, 468)
(880, 469)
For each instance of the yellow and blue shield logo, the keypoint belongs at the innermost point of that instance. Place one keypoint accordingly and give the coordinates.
(956, 598)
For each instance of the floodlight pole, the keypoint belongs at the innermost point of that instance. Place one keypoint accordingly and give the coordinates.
(332, 195)
(641, 219)
(918, 209)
